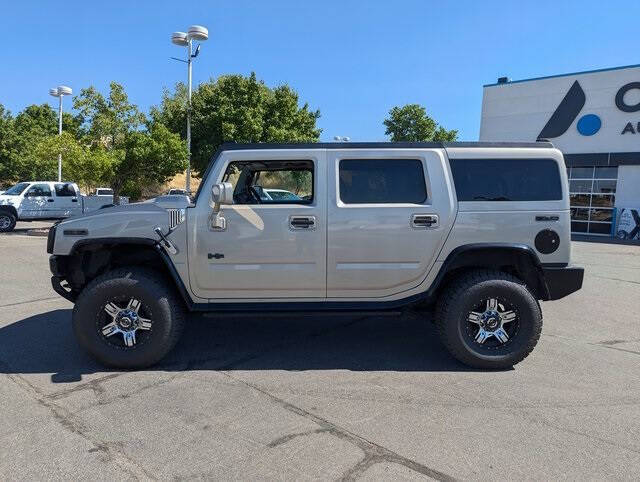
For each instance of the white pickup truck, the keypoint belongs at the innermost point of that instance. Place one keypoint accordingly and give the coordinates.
(46, 200)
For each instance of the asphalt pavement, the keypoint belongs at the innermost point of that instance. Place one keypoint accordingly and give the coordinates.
(322, 396)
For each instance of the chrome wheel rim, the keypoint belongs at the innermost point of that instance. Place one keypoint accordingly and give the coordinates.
(124, 324)
(492, 323)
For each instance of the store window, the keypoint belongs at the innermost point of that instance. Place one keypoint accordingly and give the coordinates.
(592, 199)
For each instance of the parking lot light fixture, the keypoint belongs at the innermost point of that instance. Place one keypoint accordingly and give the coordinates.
(182, 39)
(60, 92)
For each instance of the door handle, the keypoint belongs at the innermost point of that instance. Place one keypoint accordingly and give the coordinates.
(50, 200)
(74, 200)
(424, 221)
(302, 222)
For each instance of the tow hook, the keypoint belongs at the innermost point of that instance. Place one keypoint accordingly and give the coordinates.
(164, 241)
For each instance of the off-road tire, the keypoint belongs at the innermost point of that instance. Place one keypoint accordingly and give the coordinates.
(457, 301)
(154, 292)
(4, 228)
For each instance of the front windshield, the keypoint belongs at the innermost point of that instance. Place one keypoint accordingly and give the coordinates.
(16, 190)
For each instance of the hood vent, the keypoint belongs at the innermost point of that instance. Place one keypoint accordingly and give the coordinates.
(176, 216)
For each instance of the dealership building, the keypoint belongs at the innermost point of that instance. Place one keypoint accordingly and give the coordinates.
(594, 119)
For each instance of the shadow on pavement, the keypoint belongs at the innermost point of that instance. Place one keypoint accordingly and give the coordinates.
(45, 343)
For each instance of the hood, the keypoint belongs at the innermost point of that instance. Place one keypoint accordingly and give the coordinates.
(170, 201)
(8, 199)
(118, 222)
(125, 209)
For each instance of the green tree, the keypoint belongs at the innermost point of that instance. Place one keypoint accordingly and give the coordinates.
(235, 108)
(19, 137)
(7, 146)
(87, 167)
(135, 149)
(411, 123)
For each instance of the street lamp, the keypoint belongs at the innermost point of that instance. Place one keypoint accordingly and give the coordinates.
(200, 33)
(60, 92)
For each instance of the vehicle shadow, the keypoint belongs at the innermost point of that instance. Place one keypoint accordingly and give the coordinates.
(45, 343)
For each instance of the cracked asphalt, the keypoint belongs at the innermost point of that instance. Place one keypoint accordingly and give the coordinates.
(332, 397)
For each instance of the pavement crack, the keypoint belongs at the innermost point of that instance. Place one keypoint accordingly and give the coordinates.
(93, 385)
(286, 438)
(112, 451)
(30, 301)
(616, 279)
(374, 453)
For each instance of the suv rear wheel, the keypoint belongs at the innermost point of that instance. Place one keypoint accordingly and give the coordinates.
(489, 319)
(128, 318)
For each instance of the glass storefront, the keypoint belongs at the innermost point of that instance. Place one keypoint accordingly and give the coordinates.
(592, 199)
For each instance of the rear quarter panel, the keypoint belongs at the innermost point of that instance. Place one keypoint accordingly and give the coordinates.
(512, 222)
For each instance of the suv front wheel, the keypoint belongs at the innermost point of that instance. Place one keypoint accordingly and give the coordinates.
(489, 319)
(7, 222)
(128, 318)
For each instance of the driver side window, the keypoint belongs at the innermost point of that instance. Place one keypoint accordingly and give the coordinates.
(39, 190)
(271, 182)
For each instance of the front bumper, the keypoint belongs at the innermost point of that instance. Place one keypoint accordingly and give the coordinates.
(562, 281)
(58, 267)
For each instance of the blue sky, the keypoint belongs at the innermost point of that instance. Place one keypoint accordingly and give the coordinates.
(353, 60)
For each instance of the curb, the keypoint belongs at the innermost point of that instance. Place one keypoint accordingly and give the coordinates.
(38, 232)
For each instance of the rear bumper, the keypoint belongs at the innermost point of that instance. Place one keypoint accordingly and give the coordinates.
(562, 281)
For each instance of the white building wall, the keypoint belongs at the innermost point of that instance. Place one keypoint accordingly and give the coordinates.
(628, 187)
(517, 111)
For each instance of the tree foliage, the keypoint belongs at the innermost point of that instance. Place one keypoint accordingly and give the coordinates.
(236, 108)
(136, 150)
(410, 123)
(19, 137)
(87, 167)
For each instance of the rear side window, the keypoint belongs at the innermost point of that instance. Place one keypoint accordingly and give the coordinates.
(65, 190)
(373, 181)
(506, 179)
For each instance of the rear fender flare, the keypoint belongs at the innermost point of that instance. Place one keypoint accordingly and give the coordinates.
(520, 258)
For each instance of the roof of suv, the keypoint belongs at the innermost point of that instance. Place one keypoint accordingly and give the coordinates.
(232, 146)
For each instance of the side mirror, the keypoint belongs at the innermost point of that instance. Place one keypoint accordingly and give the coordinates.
(221, 193)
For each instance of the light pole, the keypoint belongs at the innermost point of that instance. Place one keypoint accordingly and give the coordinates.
(60, 92)
(195, 32)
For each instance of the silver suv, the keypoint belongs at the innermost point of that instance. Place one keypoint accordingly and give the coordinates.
(480, 231)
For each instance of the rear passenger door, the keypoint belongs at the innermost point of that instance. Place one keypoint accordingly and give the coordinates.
(66, 200)
(389, 213)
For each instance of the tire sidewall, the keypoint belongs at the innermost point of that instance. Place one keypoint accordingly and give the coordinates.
(523, 303)
(12, 222)
(88, 320)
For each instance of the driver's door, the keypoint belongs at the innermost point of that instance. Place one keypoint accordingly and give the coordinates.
(37, 202)
(270, 249)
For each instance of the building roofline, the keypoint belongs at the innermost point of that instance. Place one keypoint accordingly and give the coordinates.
(563, 75)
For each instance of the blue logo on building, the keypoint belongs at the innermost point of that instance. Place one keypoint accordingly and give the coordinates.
(566, 112)
(589, 124)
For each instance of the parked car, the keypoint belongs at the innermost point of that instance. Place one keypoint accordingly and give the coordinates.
(480, 231)
(46, 200)
(103, 191)
(268, 194)
(177, 192)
